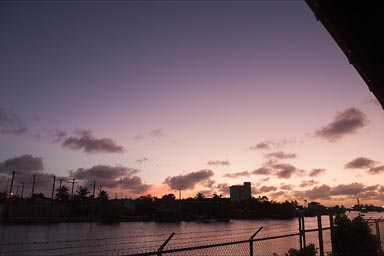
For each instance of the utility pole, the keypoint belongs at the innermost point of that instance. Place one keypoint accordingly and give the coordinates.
(73, 185)
(94, 187)
(33, 184)
(53, 186)
(61, 181)
(22, 190)
(10, 190)
(179, 193)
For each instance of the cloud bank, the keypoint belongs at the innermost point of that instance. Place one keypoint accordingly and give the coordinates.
(190, 180)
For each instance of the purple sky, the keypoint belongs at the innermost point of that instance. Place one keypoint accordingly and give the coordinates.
(148, 97)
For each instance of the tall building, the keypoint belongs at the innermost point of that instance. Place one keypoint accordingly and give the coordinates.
(240, 192)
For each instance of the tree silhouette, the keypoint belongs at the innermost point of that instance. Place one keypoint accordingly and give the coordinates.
(199, 196)
(82, 193)
(62, 194)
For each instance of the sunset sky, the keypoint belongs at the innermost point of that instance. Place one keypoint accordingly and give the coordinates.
(148, 97)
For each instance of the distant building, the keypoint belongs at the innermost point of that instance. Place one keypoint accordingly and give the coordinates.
(240, 192)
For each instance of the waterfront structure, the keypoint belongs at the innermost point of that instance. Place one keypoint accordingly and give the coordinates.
(240, 192)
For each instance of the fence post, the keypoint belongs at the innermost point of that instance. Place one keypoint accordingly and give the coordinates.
(251, 241)
(160, 250)
(300, 234)
(332, 226)
(378, 231)
(320, 229)
(303, 231)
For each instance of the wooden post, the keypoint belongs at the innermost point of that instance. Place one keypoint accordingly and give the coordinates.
(332, 226)
(303, 231)
(300, 234)
(320, 229)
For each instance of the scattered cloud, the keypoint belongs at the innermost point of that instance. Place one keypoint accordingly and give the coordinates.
(157, 133)
(284, 171)
(286, 187)
(319, 192)
(360, 163)
(307, 183)
(223, 188)
(219, 162)
(190, 180)
(276, 194)
(112, 177)
(266, 189)
(376, 170)
(269, 144)
(11, 123)
(138, 137)
(134, 184)
(141, 160)
(237, 174)
(258, 171)
(88, 143)
(26, 164)
(262, 171)
(346, 122)
(316, 172)
(350, 189)
(280, 155)
(265, 145)
(57, 135)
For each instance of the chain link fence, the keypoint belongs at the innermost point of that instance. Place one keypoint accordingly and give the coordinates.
(272, 240)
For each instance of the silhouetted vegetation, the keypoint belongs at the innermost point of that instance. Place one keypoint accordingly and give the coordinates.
(354, 238)
(309, 250)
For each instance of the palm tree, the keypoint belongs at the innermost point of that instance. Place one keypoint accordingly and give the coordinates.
(62, 193)
(82, 193)
(199, 196)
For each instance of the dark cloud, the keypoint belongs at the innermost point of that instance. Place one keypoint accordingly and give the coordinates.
(142, 160)
(134, 184)
(316, 172)
(112, 177)
(89, 144)
(307, 183)
(223, 187)
(350, 189)
(262, 171)
(346, 122)
(190, 180)
(11, 123)
(22, 164)
(284, 171)
(319, 192)
(360, 163)
(219, 162)
(265, 145)
(376, 170)
(237, 174)
(280, 155)
(157, 133)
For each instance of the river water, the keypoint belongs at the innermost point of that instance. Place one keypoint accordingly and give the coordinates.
(136, 237)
